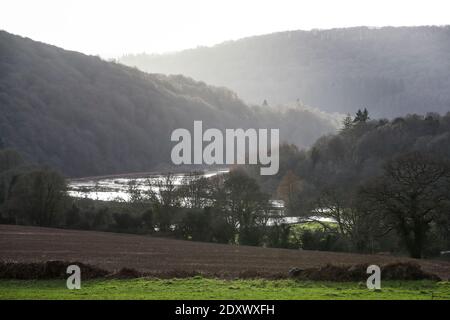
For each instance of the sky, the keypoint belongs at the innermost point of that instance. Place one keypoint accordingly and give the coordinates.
(110, 28)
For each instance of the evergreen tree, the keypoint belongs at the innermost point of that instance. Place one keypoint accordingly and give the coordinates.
(361, 116)
(347, 123)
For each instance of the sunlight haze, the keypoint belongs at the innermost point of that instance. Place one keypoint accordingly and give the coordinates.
(112, 28)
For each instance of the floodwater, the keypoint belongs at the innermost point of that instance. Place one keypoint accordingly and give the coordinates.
(116, 189)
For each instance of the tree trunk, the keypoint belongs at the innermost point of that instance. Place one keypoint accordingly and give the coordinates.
(417, 242)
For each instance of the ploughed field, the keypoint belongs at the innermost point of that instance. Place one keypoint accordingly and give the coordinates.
(113, 251)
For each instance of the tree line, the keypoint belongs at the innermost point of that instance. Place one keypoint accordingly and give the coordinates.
(227, 208)
(385, 183)
(391, 70)
(85, 117)
(376, 186)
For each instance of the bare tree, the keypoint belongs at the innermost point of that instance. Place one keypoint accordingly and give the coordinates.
(341, 206)
(413, 192)
(37, 196)
(193, 190)
(245, 203)
(164, 194)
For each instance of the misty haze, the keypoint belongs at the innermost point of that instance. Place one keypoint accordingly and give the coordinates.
(261, 150)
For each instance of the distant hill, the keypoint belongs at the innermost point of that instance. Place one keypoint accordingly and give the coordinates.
(85, 116)
(391, 71)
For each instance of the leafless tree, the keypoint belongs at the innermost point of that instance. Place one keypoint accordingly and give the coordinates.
(413, 192)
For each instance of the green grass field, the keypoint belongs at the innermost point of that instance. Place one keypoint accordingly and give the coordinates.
(201, 288)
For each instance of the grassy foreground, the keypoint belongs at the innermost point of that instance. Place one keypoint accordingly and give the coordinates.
(201, 288)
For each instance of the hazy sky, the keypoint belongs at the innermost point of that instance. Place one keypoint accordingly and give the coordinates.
(113, 27)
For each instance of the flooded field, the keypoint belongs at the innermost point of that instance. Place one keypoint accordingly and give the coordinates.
(116, 188)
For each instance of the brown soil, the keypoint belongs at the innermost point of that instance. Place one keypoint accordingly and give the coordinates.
(151, 255)
(46, 270)
(392, 271)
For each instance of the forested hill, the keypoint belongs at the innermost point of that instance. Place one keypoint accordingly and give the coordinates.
(391, 71)
(85, 116)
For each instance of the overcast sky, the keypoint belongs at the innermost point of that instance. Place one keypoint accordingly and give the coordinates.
(113, 27)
